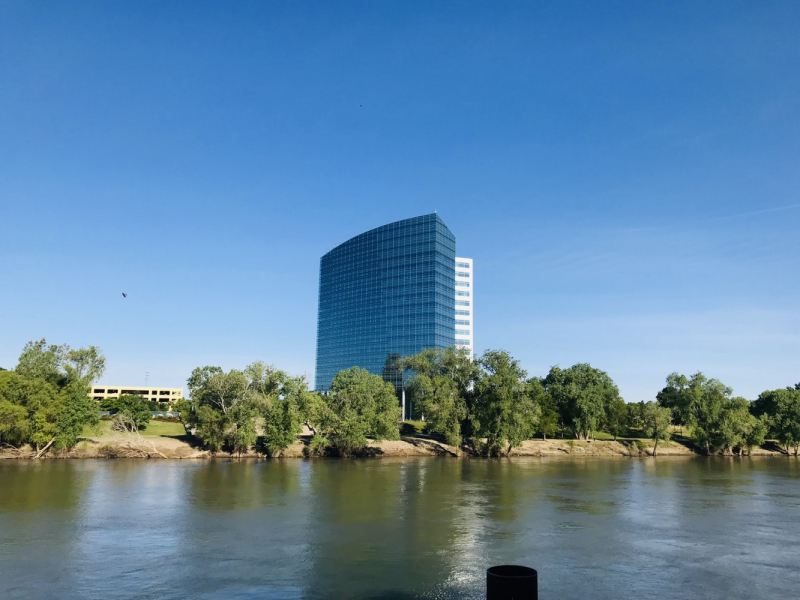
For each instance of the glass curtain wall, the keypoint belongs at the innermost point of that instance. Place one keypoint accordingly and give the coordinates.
(384, 294)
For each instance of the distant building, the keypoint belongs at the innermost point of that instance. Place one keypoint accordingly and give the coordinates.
(146, 393)
(465, 304)
(385, 294)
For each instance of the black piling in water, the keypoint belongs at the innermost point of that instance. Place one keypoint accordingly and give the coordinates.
(512, 582)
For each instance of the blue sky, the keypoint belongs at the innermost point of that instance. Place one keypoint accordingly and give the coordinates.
(625, 176)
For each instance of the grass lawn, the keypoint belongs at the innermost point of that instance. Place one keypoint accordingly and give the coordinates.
(163, 428)
(154, 429)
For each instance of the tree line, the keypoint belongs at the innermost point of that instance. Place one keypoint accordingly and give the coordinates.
(494, 405)
(487, 404)
(44, 401)
(265, 408)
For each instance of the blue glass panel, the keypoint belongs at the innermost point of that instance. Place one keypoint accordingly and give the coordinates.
(384, 294)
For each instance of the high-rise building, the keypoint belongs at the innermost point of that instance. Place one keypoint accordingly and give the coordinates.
(384, 294)
(465, 304)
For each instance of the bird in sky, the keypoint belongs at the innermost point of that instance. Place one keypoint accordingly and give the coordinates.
(124, 295)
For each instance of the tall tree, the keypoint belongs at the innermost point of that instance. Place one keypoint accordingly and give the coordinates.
(84, 365)
(617, 416)
(40, 361)
(359, 405)
(548, 415)
(739, 428)
(29, 410)
(226, 407)
(674, 396)
(656, 421)
(439, 388)
(503, 411)
(581, 393)
(702, 409)
(781, 409)
(284, 413)
(52, 385)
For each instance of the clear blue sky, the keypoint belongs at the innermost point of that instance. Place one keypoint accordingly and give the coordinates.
(625, 176)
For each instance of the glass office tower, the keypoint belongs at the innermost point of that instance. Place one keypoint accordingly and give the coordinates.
(384, 294)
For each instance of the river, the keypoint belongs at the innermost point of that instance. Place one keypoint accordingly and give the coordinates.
(398, 528)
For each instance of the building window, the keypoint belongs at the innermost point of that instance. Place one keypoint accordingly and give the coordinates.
(461, 274)
(99, 391)
(462, 302)
(462, 331)
(462, 313)
(462, 265)
(462, 294)
(462, 283)
(462, 322)
(462, 342)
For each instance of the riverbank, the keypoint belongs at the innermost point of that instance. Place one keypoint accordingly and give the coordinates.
(170, 441)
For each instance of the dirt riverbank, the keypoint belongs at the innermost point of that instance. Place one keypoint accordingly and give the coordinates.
(115, 445)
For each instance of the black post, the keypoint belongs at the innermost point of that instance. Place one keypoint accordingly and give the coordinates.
(512, 582)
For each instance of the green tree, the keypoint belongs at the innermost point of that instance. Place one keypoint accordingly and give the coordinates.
(719, 422)
(739, 428)
(131, 412)
(674, 396)
(358, 405)
(209, 426)
(582, 394)
(29, 410)
(438, 399)
(656, 421)
(77, 410)
(46, 402)
(503, 411)
(85, 365)
(636, 414)
(284, 414)
(226, 407)
(548, 411)
(439, 387)
(781, 410)
(617, 416)
(702, 409)
(40, 361)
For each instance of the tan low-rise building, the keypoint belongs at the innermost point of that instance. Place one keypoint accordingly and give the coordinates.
(157, 394)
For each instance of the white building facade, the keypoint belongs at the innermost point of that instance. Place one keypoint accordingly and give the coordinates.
(465, 304)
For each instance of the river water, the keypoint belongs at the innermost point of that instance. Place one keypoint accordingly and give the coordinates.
(399, 528)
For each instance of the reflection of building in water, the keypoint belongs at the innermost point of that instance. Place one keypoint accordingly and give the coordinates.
(387, 292)
(100, 392)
